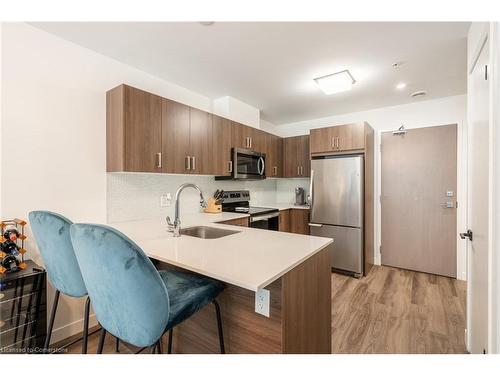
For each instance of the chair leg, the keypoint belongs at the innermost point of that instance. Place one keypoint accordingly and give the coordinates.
(219, 327)
(160, 347)
(51, 322)
(101, 341)
(86, 326)
(170, 338)
(152, 348)
(117, 345)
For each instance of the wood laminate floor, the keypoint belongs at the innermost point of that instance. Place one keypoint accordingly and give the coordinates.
(398, 311)
(388, 311)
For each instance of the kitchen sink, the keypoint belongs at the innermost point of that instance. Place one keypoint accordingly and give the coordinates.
(207, 232)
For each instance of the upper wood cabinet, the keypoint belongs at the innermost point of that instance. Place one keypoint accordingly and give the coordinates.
(296, 159)
(175, 137)
(221, 146)
(274, 151)
(133, 130)
(200, 142)
(348, 137)
(248, 137)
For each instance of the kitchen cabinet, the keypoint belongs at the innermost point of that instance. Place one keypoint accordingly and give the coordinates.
(299, 221)
(248, 137)
(338, 138)
(133, 130)
(186, 139)
(241, 222)
(221, 145)
(200, 142)
(296, 160)
(175, 137)
(284, 221)
(273, 152)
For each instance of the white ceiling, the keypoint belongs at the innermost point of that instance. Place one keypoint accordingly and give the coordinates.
(272, 65)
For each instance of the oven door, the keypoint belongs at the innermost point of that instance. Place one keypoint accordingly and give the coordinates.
(248, 165)
(266, 221)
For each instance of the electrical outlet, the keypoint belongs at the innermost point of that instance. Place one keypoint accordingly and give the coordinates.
(165, 200)
(262, 302)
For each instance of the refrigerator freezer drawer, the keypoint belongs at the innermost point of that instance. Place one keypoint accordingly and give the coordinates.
(347, 248)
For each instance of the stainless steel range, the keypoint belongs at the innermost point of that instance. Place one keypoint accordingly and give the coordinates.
(260, 217)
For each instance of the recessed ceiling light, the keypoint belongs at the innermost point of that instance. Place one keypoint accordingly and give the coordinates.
(336, 82)
(401, 86)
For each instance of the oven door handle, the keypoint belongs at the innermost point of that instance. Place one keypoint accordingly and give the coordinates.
(263, 217)
(261, 165)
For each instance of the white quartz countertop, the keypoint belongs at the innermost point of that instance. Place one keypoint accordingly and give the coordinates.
(251, 259)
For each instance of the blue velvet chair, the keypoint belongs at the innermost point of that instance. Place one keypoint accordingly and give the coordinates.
(131, 299)
(51, 232)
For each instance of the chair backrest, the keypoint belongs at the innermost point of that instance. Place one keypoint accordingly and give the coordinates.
(127, 293)
(51, 232)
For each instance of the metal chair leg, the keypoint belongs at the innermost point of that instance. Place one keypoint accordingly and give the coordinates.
(101, 341)
(159, 348)
(117, 345)
(86, 326)
(51, 322)
(170, 338)
(152, 348)
(219, 327)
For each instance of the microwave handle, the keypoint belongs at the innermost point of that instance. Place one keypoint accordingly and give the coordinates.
(261, 165)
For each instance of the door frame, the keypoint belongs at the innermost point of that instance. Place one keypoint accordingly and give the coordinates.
(461, 193)
(490, 38)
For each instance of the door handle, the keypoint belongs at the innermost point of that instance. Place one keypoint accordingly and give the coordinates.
(315, 225)
(188, 163)
(194, 163)
(158, 156)
(467, 234)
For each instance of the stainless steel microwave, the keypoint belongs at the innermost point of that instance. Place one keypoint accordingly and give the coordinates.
(246, 165)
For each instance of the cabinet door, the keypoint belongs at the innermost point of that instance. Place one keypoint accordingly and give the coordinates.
(258, 140)
(351, 137)
(240, 135)
(142, 116)
(200, 140)
(290, 153)
(284, 221)
(221, 145)
(273, 155)
(175, 136)
(303, 157)
(299, 221)
(324, 139)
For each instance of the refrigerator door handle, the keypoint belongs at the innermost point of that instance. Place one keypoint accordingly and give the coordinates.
(311, 186)
(315, 225)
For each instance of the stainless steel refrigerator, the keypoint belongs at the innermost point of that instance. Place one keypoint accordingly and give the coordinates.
(336, 197)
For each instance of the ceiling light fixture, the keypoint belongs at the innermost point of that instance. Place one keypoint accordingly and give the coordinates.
(401, 86)
(336, 82)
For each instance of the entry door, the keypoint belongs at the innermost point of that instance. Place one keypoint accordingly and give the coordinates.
(478, 206)
(419, 187)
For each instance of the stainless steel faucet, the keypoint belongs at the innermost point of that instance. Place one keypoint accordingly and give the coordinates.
(175, 227)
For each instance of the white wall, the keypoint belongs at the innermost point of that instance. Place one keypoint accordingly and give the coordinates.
(449, 110)
(54, 133)
(236, 110)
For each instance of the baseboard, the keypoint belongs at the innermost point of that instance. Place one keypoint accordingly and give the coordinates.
(68, 330)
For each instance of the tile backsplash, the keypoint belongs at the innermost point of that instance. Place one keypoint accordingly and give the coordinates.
(136, 196)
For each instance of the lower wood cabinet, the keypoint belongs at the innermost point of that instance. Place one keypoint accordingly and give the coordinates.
(241, 222)
(294, 220)
(284, 221)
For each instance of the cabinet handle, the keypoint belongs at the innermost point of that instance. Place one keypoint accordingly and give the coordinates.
(194, 163)
(275, 171)
(301, 171)
(250, 142)
(298, 170)
(338, 142)
(158, 159)
(230, 166)
(188, 163)
(333, 141)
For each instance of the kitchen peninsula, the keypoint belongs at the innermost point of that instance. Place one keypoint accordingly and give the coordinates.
(295, 269)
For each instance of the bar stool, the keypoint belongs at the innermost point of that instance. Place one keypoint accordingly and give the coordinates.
(131, 299)
(51, 232)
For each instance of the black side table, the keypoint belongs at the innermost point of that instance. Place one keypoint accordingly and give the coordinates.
(23, 310)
